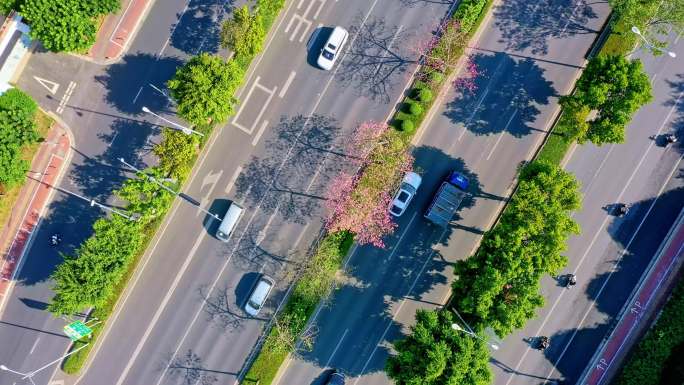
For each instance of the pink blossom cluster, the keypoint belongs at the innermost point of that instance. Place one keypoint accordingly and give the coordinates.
(467, 81)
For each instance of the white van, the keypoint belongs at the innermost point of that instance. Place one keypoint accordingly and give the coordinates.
(229, 222)
(332, 48)
(258, 296)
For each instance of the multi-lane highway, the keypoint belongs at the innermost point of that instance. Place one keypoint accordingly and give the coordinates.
(181, 318)
(529, 53)
(611, 253)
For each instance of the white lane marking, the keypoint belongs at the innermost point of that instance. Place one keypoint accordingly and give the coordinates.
(595, 238)
(34, 345)
(213, 286)
(233, 179)
(256, 138)
(255, 85)
(287, 84)
(401, 305)
(396, 246)
(300, 237)
(502, 134)
(136, 95)
(48, 84)
(110, 143)
(332, 355)
(388, 48)
(161, 308)
(479, 103)
(572, 15)
(173, 30)
(615, 264)
(66, 97)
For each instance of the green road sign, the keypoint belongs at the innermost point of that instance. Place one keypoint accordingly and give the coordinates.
(77, 330)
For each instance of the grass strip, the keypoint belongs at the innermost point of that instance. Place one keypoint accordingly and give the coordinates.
(11, 195)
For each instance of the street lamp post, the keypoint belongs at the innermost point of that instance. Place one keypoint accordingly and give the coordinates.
(648, 44)
(30, 375)
(458, 327)
(93, 202)
(186, 197)
(185, 130)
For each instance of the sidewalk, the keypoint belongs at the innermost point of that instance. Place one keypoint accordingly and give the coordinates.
(46, 169)
(117, 31)
(639, 311)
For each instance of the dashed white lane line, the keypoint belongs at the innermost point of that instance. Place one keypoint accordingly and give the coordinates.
(161, 308)
(256, 138)
(287, 84)
(332, 355)
(136, 95)
(233, 179)
(34, 345)
(401, 305)
(503, 132)
(595, 238)
(300, 237)
(66, 97)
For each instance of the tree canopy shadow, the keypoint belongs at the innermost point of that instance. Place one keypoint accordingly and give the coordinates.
(378, 60)
(189, 368)
(221, 311)
(506, 99)
(530, 25)
(287, 187)
(198, 29)
(134, 70)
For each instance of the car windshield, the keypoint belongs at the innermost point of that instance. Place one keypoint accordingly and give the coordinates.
(396, 210)
(403, 196)
(328, 55)
(254, 305)
(332, 46)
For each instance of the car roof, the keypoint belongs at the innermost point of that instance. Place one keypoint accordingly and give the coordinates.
(261, 290)
(412, 179)
(338, 34)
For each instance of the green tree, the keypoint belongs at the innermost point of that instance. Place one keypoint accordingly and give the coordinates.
(176, 153)
(8, 5)
(17, 129)
(435, 354)
(145, 197)
(653, 17)
(499, 285)
(613, 88)
(204, 89)
(88, 278)
(66, 25)
(244, 33)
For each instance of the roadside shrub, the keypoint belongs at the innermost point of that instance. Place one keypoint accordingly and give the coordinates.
(436, 78)
(425, 95)
(403, 116)
(408, 126)
(416, 109)
(469, 12)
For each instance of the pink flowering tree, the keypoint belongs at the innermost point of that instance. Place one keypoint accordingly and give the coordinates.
(359, 202)
(443, 49)
(466, 82)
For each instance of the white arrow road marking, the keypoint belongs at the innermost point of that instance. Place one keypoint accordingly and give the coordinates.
(56, 382)
(210, 179)
(49, 85)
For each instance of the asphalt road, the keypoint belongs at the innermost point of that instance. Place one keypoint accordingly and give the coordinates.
(611, 253)
(181, 320)
(530, 53)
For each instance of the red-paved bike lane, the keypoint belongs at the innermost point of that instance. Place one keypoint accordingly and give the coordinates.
(58, 146)
(639, 305)
(117, 31)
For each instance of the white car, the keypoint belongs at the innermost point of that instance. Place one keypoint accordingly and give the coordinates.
(258, 296)
(407, 189)
(332, 48)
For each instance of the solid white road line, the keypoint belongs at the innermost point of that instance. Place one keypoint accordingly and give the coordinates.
(256, 138)
(595, 238)
(502, 134)
(332, 355)
(161, 308)
(233, 179)
(34, 345)
(136, 95)
(287, 84)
